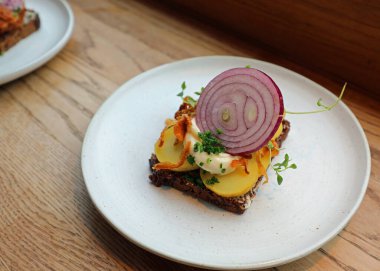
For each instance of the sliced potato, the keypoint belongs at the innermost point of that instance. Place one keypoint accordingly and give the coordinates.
(170, 152)
(238, 182)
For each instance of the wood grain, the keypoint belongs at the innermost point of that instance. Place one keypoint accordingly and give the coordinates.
(339, 37)
(47, 221)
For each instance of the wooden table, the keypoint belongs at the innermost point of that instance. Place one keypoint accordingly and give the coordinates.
(47, 220)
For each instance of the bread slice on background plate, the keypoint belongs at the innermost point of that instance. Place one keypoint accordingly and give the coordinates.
(31, 23)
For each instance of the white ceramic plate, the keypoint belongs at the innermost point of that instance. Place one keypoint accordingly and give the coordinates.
(57, 23)
(284, 222)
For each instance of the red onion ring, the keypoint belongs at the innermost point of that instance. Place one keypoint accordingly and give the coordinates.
(245, 104)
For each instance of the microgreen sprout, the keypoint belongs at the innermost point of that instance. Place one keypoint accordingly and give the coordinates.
(248, 66)
(280, 167)
(199, 92)
(183, 87)
(321, 105)
(187, 99)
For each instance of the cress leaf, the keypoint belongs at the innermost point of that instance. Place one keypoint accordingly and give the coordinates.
(279, 179)
(200, 92)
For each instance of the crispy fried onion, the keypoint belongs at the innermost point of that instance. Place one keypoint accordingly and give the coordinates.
(180, 127)
(168, 165)
(184, 109)
(240, 162)
(161, 139)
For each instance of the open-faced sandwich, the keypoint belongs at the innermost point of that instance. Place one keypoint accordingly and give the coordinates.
(16, 23)
(219, 148)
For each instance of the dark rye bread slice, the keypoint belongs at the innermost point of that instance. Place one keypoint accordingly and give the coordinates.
(31, 24)
(190, 183)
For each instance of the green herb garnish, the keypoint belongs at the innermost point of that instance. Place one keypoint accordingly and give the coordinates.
(199, 92)
(321, 105)
(212, 180)
(270, 145)
(201, 164)
(219, 131)
(248, 66)
(198, 147)
(188, 99)
(280, 167)
(210, 143)
(183, 87)
(223, 170)
(16, 12)
(191, 159)
(209, 160)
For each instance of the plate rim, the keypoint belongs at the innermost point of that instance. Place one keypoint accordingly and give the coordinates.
(48, 55)
(267, 264)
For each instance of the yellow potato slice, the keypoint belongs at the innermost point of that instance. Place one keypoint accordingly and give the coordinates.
(238, 182)
(169, 152)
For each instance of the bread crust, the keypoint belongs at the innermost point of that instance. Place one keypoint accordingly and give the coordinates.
(184, 181)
